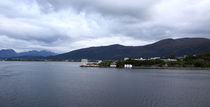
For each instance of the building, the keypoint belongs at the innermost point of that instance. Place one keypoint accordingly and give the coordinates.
(126, 59)
(128, 66)
(84, 61)
(140, 59)
(113, 65)
(154, 58)
(99, 61)
(169, 60)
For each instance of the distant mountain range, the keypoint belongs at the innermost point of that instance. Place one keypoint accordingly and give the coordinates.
(166, 47)
(10, 53)
(43, 53)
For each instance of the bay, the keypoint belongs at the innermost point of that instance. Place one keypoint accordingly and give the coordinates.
(65, 84)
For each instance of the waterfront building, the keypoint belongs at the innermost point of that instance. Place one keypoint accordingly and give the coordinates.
(140, 59)
(169, 60)
(154, 58)
(113, 65)
(84, 61)
(99, 61)
(126, 59)
(128, 66)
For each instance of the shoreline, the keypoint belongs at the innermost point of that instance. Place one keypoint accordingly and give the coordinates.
(175, 68)
(178, 68)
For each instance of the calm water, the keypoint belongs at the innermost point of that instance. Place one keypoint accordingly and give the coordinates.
(63, 84)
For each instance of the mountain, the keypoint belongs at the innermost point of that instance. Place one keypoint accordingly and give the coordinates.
(42, 53)
(28, 57)
(6, 53)
(166, 47)
(10, 53)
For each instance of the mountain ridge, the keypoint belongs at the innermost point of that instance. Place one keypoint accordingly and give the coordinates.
(10, 53)
(165, 47)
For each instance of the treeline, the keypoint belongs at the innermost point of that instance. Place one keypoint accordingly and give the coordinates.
(157, 62)
(201, 60)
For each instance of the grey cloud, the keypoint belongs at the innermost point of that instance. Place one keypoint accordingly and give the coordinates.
(138, 8)
(63, 25)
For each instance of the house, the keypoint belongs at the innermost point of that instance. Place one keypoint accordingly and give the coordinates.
(128, 66)
(140, 59)
(84, 61)
(113, 65)
(154, 58)
(126, 59)
(99, 61)
(169, 60)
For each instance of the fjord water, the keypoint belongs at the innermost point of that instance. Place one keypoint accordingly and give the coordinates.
(65, 84)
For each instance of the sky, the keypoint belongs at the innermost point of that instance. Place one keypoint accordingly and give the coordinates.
(65, 25)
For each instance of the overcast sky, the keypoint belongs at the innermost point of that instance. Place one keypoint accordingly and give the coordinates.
(65, 25)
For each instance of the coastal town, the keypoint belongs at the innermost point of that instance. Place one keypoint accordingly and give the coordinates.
(113, 64)
(191, 61)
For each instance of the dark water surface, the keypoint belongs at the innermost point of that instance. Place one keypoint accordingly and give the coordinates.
(63, 84)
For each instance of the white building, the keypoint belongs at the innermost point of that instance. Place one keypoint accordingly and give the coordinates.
(126, 59)
(99, 61)
(113, 65)
(169, 60)
(84, 61)
(128, 66)
(154, 58)
(140, 59)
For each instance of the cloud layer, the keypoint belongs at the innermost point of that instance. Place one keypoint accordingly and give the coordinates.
(64, 25)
